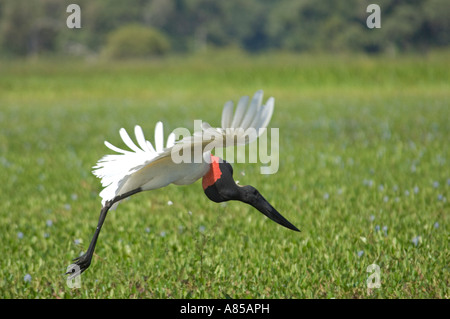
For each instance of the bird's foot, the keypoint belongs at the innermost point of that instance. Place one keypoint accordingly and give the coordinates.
(80, 264)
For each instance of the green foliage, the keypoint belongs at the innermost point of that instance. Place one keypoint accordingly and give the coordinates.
(135, 41)
(192, 25)
(363, 173)
(29, 27)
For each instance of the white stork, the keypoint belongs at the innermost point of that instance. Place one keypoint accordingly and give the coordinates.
(146, 167)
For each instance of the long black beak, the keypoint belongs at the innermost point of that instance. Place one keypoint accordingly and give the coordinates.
(219, 185)
(254, 198)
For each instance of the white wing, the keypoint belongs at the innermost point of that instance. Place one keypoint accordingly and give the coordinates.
(115, 170)
(246, 125)
(150, 167)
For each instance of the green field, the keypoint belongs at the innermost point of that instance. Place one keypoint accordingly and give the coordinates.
(364, 173)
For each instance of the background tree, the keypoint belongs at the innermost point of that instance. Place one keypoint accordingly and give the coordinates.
(33, 27)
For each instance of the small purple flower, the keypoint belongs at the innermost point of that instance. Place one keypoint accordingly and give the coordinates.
(20, 235)
(360, 253)
(368, 182)
(27, 278)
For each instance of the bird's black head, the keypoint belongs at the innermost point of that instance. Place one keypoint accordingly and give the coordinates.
(219, 185)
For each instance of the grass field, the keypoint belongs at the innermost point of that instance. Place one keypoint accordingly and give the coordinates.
(364, 173)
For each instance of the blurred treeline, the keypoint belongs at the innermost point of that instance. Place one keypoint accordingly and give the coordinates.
(31, 27)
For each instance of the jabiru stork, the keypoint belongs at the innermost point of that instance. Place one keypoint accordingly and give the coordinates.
(147, 167)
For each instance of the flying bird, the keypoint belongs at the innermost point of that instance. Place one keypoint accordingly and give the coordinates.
(146, 167)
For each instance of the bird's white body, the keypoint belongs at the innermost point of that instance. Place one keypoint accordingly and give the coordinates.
(163, 172)
(147, 167)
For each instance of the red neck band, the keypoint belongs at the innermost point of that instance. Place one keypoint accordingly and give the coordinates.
(213, 174)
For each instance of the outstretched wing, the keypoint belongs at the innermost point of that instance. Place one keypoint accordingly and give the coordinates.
(115, 170)
(254, 117)
(245, 125)
(238, 128)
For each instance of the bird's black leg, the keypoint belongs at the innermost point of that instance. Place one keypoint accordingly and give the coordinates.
(84, 261)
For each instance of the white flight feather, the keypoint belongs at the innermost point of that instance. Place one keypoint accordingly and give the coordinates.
(245, 127)
(127, 140)
(114, 170)
(227, 114)
(159, 138)
(141, 139)
(240, 110)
